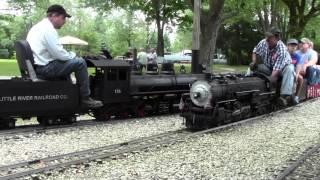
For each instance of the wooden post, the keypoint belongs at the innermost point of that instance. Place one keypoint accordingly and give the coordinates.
(135, 54)
(195, 66)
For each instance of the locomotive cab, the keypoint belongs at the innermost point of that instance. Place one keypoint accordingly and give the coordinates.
(111, 81)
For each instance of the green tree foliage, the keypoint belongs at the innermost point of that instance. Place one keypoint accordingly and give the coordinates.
(300, 13)
(119, 29)
(182, 41)
(237, 42)
(6, 33)
(121, 34)
(162, 12)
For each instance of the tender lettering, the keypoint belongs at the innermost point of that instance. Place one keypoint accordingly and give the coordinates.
(8, 98)
(34, 98)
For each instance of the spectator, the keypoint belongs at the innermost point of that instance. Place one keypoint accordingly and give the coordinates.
(308, 55)
(105, 52)
(129, 53)
(142, 56)
(310, 58)
(276, 62)
(298, 63)
(152, 55)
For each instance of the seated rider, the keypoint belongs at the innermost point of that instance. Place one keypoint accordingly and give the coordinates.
(276, 62)
(52, 60)
(298, 63)
(152, 56)
(310, 58)
(105, 52)
(142, 57)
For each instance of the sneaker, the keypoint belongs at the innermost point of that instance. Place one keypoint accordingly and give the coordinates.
(282, 101)
(91, 103)
(295, 100)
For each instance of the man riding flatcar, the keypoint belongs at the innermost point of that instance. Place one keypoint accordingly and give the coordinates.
(276, 62)
(52, 60)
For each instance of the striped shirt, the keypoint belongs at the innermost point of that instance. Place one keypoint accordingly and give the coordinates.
(276, 58)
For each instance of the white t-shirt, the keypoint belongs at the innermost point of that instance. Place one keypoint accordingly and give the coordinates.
(307, 56)
(152, 56)
(44, 42)
(142, 57)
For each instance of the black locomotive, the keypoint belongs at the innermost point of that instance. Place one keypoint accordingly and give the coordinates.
(222, 99)
(57, 101)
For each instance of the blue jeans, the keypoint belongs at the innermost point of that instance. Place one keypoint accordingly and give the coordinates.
(288, 75)
(58, 69)
(313, 75)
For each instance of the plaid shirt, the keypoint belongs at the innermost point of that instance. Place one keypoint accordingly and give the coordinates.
(276, 58)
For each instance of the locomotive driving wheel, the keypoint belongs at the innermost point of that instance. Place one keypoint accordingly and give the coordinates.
(101, 114)
(139, 111)
(46, 121)
(123, 115)
(69, 119)
(11, 124)
(8, 123)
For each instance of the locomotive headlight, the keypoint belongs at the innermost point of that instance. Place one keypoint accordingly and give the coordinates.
(200, 93)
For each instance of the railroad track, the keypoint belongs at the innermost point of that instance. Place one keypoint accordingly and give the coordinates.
(307, 166)
(62, 161)
(38, 129)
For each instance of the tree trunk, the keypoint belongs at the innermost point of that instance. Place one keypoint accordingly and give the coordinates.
(208, 38)
(210, 25)
(296, 23)
(299, 15)
(210, 22)
(160, 25)
(160, 43)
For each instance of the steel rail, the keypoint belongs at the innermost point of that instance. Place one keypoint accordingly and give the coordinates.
(35, 128)
(65, 160)
(292, 167)
(50, 163)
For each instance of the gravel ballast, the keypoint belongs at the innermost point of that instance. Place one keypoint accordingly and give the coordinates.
(53, 143)
(252, 151)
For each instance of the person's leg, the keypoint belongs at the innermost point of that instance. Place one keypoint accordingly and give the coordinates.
(79, 67)
(261, 68)
(59, 69)
(287, 83)
(299, 85)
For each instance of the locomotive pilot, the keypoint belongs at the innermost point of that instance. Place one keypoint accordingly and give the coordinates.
(52, 60)
(276, 62)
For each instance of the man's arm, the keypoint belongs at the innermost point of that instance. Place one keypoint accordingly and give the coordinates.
(254, 58)
(274, 77)
(313, 60)
(299, 66)
(259, 49)
(55, 48)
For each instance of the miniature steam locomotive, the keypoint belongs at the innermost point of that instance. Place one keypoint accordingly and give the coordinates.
(228, 98)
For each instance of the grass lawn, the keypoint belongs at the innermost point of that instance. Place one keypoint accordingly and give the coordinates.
(217, 68)
(9, 67)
